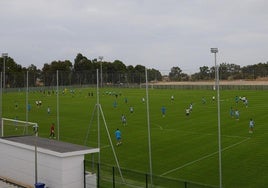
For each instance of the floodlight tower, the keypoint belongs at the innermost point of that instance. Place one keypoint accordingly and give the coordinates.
(101, 58)
(4, 55)
(215, 51)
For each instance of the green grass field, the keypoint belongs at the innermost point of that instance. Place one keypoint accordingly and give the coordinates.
(182, 147)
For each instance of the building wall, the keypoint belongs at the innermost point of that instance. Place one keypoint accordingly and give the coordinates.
(17, 164)
(56, 172)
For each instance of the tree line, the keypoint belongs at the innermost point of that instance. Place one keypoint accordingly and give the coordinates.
(84, 72)
(227, 71)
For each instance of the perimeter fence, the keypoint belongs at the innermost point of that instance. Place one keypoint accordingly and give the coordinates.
(108, 176)
(137, 86)
(50, 79)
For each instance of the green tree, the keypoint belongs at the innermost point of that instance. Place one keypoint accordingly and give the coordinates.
(13, 73)
(139, 74)
(84, 71)
(154, 75)
(204, 73)
(34, 75)
(64, 69)
(175, 74)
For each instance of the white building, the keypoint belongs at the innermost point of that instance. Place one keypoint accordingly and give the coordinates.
(58, 164)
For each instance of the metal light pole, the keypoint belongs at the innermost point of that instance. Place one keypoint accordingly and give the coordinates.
(4, 55)
(215, 51)
(101, 58)
(58, 108)
(35, 127)
(1, 105)
(149, 129)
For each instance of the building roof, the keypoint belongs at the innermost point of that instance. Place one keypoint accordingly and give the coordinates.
(56, 147)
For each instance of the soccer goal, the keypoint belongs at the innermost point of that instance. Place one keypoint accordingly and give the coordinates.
(15, 127)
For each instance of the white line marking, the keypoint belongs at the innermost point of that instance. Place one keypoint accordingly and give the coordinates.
(192, 162)
(209, 134)
(106, 146)
(160, 127)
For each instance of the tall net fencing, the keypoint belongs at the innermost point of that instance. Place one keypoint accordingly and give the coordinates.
(51, 79)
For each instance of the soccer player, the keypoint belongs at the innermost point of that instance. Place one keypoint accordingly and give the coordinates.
(191, 107)
(143, 100)
(246, 102)
(52, 131)
(37, 103)
(237, 114)
(232, 112)
(172, 98)
(163, 110)
(29, 107)
(236, 100)
(213, 98)
(131, 109)
(40, 103)
(118, 137)
(204, 100)
(251, 125)
(115, 104)
(48, 110)
(124, 120)
(187, 111)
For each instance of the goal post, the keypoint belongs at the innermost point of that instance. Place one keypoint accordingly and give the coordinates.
(15, 127)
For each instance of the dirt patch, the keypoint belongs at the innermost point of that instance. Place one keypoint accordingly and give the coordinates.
(224, 82)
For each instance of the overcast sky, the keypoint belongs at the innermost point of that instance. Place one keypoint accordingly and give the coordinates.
(158, 34)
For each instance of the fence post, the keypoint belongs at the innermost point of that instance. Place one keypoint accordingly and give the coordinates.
(98, 175)
(146, 180)
(84, 173)
(113, 178)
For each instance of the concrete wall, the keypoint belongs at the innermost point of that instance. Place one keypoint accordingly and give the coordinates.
(18, 163)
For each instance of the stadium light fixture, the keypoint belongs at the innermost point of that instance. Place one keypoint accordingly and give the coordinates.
(215, 51)
(4, 55)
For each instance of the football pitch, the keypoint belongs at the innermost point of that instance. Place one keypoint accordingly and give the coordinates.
(182, 147)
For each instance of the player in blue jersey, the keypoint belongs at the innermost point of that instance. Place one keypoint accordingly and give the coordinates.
(236, 100)
(163, 110)
(232, 112)
(118, 137)
(115, 104)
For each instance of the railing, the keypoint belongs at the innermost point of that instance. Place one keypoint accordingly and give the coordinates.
(109, 177)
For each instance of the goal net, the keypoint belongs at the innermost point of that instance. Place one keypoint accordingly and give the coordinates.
(14, 127)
